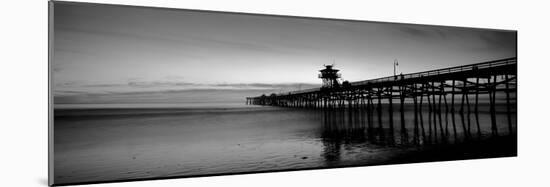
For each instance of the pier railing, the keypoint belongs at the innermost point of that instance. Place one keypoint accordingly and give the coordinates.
(457, 69)
(445, 92)
(437, 72)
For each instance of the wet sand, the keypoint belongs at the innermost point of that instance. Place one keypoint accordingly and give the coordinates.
(122, 144)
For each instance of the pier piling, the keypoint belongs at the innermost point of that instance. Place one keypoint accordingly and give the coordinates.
(357, 99)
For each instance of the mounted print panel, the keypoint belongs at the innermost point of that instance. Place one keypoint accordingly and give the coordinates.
(143, 93)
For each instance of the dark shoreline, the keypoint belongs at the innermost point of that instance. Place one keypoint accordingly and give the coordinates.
(490, 147)
(89, 122)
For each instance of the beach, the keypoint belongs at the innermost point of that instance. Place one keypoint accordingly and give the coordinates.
(121, 143)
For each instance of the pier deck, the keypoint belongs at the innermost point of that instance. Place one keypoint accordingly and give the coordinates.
(453, 87)
(486, 75)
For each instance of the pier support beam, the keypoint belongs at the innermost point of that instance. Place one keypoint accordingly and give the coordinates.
(508, 105)
(404, 133)
(390, 113)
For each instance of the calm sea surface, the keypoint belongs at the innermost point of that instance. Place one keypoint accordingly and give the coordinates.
(114, 142)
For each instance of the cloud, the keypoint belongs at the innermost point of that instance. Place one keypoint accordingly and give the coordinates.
(167, 92)
(431, 33)
(423, 33)
(159, 84)
(56, 68)
(174, 84)
(500, 40)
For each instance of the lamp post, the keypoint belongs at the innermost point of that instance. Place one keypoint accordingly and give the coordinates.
(395, 63)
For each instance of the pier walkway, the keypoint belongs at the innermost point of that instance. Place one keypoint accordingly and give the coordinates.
(454, 87)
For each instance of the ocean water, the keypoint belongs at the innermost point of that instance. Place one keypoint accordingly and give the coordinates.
(117, 142)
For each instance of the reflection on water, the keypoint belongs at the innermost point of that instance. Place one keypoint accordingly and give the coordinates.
(114, 144)
(419, 127)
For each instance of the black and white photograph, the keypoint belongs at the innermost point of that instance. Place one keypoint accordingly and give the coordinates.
(143, 93)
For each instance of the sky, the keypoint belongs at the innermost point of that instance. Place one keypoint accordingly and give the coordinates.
(105, 52)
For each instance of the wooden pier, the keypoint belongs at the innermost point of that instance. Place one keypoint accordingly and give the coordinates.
(442, 91)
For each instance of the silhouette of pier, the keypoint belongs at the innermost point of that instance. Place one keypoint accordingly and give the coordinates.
(445, 92)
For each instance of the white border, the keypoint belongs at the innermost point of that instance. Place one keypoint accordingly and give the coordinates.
(24, 76)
